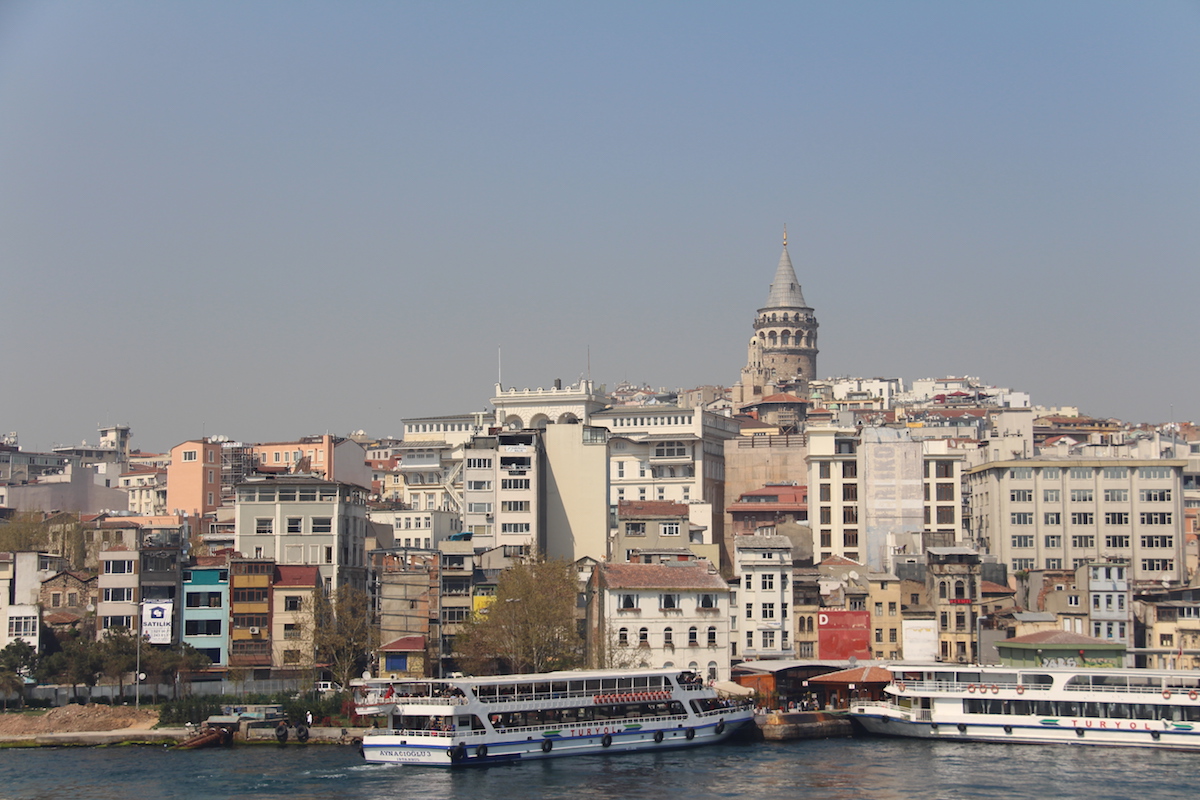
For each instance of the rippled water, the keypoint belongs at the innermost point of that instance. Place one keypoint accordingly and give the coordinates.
(839, 769)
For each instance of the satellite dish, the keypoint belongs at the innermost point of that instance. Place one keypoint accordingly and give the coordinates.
(853, 575)
(853, 660)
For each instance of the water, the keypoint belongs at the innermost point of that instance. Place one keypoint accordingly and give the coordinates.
(839, 769)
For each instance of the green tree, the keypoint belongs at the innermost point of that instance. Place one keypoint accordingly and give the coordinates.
(82, 662)
(25, 531)
(19, 657)
(344, 632)
(11, 683)
(118, 655)
(531, 625)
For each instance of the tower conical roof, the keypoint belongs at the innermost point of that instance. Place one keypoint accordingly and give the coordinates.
(785, 289)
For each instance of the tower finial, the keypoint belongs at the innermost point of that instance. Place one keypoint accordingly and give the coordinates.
(785, 234)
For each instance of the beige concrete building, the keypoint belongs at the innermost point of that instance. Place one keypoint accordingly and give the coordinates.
(1064, 513)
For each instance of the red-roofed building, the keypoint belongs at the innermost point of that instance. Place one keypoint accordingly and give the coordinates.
(659, 615)
(293, 600)
(402, 658)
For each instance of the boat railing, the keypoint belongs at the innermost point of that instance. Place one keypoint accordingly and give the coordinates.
(570, 727)
(954, 687)
(430, 733)
(918, 714)
(381, 698)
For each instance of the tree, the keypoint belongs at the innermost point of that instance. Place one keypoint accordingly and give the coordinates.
(11, 683)
(19, 657)
(344, 632)
(82, 662)
(118, 656)
(531, 625)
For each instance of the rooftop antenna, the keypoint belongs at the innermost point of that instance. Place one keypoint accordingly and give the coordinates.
(499, 367)
(785, 234)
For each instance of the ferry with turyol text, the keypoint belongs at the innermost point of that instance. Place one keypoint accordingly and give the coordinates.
(487, 720)
(1118, 707)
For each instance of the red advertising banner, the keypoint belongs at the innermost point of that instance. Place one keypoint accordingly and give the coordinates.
(842, 634)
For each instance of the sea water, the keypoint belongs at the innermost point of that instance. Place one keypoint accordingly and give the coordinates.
(834, 769)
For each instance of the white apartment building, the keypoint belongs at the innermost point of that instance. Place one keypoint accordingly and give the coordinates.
(764, 565)
(669, 615)
(298, 520)
(1065, 513)
(873, 495)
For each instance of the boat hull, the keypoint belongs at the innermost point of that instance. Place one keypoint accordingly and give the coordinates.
(480, 750)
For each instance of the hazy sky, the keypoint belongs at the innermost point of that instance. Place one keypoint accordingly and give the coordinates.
(272, 219)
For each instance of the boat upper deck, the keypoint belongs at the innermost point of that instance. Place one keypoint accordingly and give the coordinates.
(969, 679)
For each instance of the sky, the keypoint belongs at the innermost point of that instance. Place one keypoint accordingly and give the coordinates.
(274, 219)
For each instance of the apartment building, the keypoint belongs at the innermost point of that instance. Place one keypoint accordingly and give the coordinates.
(301, 520)
(1047, 513)
(764, 567)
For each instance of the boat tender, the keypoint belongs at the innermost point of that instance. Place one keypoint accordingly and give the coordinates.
(486, 720)
(1078, 705)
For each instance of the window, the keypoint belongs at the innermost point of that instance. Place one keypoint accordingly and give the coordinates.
(879, 635)
(945, 514)
(264, 525)
(1117, 542)
(1053, 541)
(768, 640)
(1053, 563)
(627, 602)
(322, 524)
(1155, 517)
(945, 491)
(1023, 540)
(823, 470)
(668, 601)
(1073, 600)
(669, 529)
(1116, 473)
(1019, 564)
(1020, 473)
(118, 568)
(479, 508)
(892, 609)
(202, 627)
(749, 611)
(850, 515)
(768, 581)
(479, 463)
(1051, 473)
(849, 469)
(1158, 541)
(203, 599)
(1021, 495)
(1083, 540)
(1083, 518)
(1154, 473)
(1051, 495)
(512, 506)
(1080, 473)
(295, 525)
(669, 639)
(479, 486)
(328, 555)
(1082, 496)
(123, 594)
(1158, 564)
(189, 455)
(293, 602)
(707, 601)
(249, 595)
(1052, 518)
(1116, 495)
(850, 492)
(249, 620)
(768, 611)
(623, 637)
(712, 637)
(1155, 495)
(1022, 518)
(670, 450)
(515, 527)
(512, 483)
(643, 637)
(116, 622)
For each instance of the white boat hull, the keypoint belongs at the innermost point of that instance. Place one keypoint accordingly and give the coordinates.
(583, 740)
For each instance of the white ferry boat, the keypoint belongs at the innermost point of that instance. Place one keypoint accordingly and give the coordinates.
(488, 720)
(1123, 707)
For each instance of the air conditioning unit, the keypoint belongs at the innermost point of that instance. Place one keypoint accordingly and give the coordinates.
(254, 631)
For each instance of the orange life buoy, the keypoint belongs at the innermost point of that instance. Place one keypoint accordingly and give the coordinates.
(1166, 694)
(995, 689)
(1020, 689)
(1192, 695)
(900, 685)
(971, 688)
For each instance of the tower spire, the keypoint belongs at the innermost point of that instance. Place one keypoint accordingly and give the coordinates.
(785, 235)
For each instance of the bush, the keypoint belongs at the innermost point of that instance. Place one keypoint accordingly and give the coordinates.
(104, 701)
(194, 709)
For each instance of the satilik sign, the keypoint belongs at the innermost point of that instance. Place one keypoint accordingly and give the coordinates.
(156, 622)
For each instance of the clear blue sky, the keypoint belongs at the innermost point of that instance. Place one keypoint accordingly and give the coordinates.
(270, 219)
